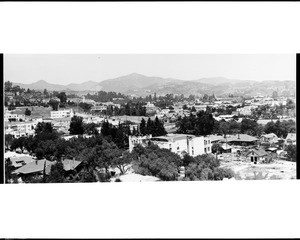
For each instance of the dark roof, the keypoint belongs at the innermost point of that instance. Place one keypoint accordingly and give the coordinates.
(259, 152)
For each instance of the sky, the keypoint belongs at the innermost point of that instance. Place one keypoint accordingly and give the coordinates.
(77, 68)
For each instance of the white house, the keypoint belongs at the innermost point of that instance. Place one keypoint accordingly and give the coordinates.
(62, 113)
(290, 139)
(177, 143)
(20, 129)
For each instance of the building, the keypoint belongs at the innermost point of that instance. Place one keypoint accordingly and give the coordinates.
(176, 143)
(20, 129)
(139, 140)
(240, 139)
(258, 156)
(290, 139)
(34, 168)
(62, 113)
(269, 138)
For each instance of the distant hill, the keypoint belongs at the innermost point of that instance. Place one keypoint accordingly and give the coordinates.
(141, 85)
(133, 81)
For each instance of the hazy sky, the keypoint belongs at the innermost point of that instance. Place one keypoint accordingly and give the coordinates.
(78, 68)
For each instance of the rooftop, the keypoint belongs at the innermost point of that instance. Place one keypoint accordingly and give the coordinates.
(240, 138)
(291, 136)
(172, 137)
(34, 167)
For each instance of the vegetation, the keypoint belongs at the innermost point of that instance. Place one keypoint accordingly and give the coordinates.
(201, 124)
(291, 153)
(156, 127)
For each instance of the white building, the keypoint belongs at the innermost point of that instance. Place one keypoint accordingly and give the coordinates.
(15, 117)
(20, 129)
(62, 113)
(177, 143)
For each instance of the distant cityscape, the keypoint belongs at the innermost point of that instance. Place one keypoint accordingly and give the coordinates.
(150, 132)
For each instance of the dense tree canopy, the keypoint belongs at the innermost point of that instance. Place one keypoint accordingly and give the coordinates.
(76, 125)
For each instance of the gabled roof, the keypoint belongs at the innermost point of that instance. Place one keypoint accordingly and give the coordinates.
(291, 136)
(259, 152)
(270, 135)
(34, 167)
(241, 138)
(70, 164)
(16, 161)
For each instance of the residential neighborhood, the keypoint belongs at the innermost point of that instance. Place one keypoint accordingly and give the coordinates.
(139, 127)
(230, 128)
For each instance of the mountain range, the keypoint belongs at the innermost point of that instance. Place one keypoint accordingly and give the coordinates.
(141, 85)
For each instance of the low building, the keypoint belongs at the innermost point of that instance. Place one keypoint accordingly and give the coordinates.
(62, 113)
(258, 156)
(290, 139)
(20, 129)
(139, 140)
(240, 139)
(184, 144)
(270, 138)
(21, 161)
(34, 168)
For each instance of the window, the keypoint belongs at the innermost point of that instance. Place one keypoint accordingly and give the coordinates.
(205, 150)
(208, 148)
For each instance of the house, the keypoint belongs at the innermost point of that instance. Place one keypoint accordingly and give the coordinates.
(34, 168)
(71, 167)
(240, 139)
(184, 143)
(290, 139)
(269, 138)
(258, 155)
(21, 161)
(62, 113)
(215, 138)
(139, 140)
(20, 129)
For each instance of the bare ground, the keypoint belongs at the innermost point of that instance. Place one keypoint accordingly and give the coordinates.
(246, 170)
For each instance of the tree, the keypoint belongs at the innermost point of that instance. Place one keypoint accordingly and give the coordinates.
(57, 173)
(275, 94)
(7, 86)
(76, 125)
(85, 106)
(249, 126)
(8, 140)
(291, 152)
(90, 128)
(19, 143)
(122, 162)
(45, 131)
(159, 128)
(105, 129)
(62, 97)
(54, 104)
(9, 168)
(143, 127)
(39, 153)
(27, 112)
(216, 148)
